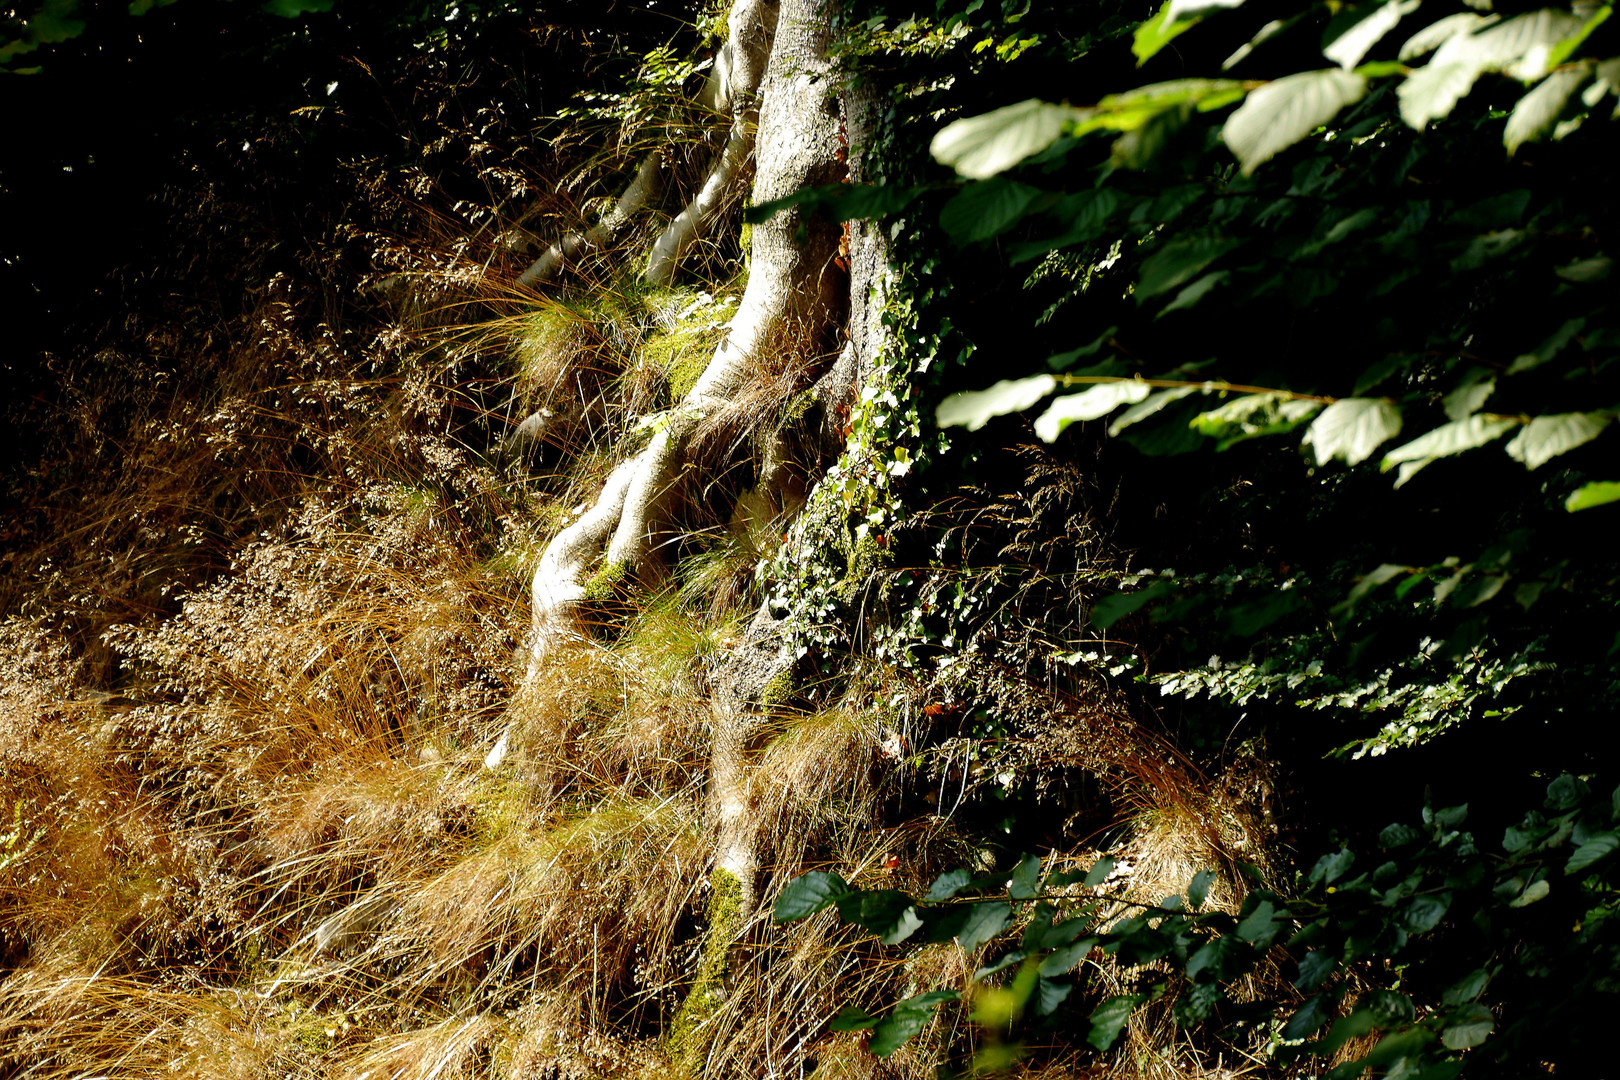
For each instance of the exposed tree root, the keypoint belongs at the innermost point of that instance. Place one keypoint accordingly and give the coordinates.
(732, 88)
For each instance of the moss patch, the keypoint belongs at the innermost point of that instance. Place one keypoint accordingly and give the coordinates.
(686, 1035)
(605, 584)
(778, 691)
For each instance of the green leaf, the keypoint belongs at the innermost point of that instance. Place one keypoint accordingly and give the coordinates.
(808, 894)
(1567, 792)
(1179, 261)
(1309, 1018)
(1467, 988)
(1329, 868)
(1099, 401)
(975, 408)
(1198, 889)
(1049, 995)
(1221, 958)
(1314, 967)
(886, 913)
(1148, 406)
(948, 885)
(852, 1018)
(1595, 493)
(979, 147)
(1352, 428)
(1189, 296)
(1261, 926)
(1109, 1020)
(1026, 879)
(1156, 33)
(1598, 847)
(1444, 441)
(1467, 1027)
(1545, 437)
(1103, 867)
(290, 9)
(1280, 113)
(1538, 111)
(1110, 609)
(1470, 395)
(986, 209)
(1425, 912)
(1369, 26)
(1536, 891)
(1061, 960)
(907, 1019)
(986, 921)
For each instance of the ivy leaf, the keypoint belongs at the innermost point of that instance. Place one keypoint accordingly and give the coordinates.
(975, 408)
(1596, 493)
(907, 1019)
(979, 147)
(1279, 114)
(1100, 400)
(1349, 47)
(1109, 1020)
(1352, 428)
(985, 922)
(1598, 847)
(1538, 110)
(986, 209)
(808, 894)
(1444, 441)
(1467, 1027)
(1545, 437)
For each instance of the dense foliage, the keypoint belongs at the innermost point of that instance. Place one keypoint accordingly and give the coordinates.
(1237, 479)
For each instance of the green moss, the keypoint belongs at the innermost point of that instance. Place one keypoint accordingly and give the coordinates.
(865, 557)
(605, 583)
(682, 354)
(778, 691)
(686, 1034)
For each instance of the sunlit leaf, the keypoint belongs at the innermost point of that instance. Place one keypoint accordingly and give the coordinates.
(1596, 493)
(1352, 428)
(981, 146)
(1545, 437)
(1538, 110)
(1148, 406)
(975, 408)
(1444, 441)
(1099, 401)
(1348, 48)
(1280, 113)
